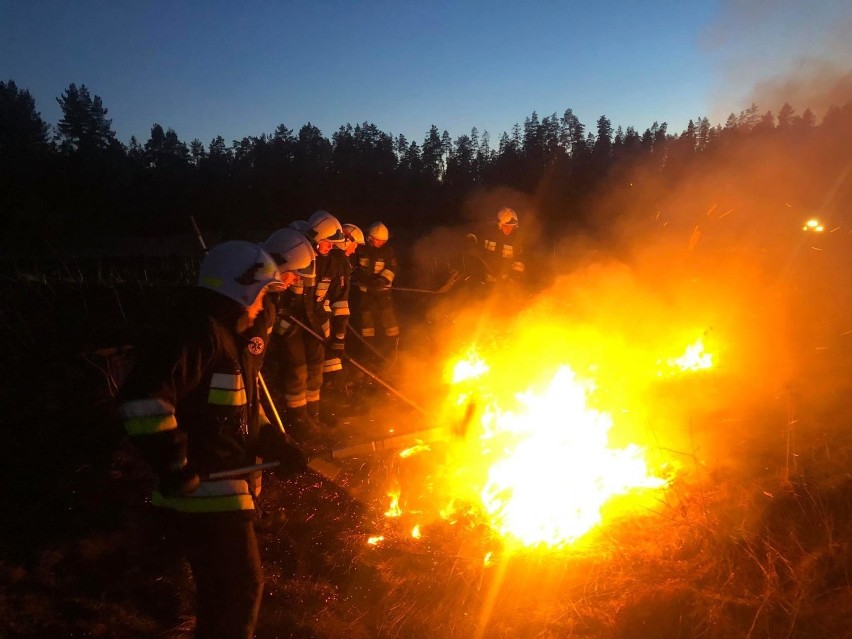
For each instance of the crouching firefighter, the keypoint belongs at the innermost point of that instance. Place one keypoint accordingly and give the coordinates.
(191, 407)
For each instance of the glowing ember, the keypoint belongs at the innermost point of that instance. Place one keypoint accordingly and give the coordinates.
(814, 226)
(471, 367)
(373, 541)
(415, 532)
(694, 359)
(393, 510)
(413, 450)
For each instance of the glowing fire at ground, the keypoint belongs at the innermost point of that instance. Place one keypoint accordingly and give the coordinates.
(549, 469)
(536, 463)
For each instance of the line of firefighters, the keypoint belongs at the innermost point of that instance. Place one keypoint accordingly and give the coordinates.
(191, 403)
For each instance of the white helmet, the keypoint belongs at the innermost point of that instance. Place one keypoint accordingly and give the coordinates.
(352, 231)
(322, 225)
(291, 251)
(506, 217)
(238, 270)
(301, 226)
(378, 231)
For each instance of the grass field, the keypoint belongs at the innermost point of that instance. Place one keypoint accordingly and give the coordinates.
(756, 544)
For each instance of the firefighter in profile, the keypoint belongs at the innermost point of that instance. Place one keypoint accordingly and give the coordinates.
(310, 304)
(377, 269)
(340, 312)
(190, 406)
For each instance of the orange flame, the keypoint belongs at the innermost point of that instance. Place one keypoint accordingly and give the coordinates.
(545, 467)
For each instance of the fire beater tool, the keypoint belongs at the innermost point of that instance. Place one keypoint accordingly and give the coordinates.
(360, 367)
(454, 276)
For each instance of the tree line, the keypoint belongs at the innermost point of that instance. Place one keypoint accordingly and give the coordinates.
(76, 179)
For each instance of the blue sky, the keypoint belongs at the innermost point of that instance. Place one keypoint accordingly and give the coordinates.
(235, 68)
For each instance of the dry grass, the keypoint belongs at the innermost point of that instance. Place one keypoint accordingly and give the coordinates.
(760, 548)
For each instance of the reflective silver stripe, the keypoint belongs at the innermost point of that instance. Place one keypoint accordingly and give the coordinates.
(294, 401)
(326, 328)
(378, 266)
(368, 332)
(508, 251)
(145, 408)
(331, 365)
(340, 308)
(312, 395)
(221, 487)
(490, 246)
(227, 382)
(363, 261)
(362, 288)
(226, 495)
(392, 331)
(388, 275)
(322, 289)
(326, 306)
(518, 266)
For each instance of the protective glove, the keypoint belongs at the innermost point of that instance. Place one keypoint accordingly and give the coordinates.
(273, 445)
(178, 483)
(379, 285)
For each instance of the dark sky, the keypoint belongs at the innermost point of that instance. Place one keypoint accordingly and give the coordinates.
(241, 68)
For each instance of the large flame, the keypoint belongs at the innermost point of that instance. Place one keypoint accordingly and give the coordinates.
(548, 466)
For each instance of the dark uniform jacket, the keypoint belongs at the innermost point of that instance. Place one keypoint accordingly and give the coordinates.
(377, 267)
(501, 253)
(190, 404)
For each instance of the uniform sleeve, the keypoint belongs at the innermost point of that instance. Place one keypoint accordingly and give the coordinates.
(158, 382)
(338, 296)
(391, 265)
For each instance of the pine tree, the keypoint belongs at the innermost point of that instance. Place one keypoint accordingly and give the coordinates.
(84, 126)
(22, 131)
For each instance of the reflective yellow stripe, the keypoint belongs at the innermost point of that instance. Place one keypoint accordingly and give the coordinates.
(226, 503)
(312, 395)
(227, 397)
(388, 275)
(136, 426)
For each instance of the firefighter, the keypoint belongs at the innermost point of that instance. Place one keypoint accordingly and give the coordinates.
(340, 310)
(310, 302)
(377, 268)
(501, 249)
(191, 408)
(286, 246)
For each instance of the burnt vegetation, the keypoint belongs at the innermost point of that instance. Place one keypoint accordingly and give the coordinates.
(758, 545)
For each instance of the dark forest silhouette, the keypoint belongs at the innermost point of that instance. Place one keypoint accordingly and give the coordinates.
(77, 180)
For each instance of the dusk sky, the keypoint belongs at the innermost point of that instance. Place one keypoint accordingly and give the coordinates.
(239, 69)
